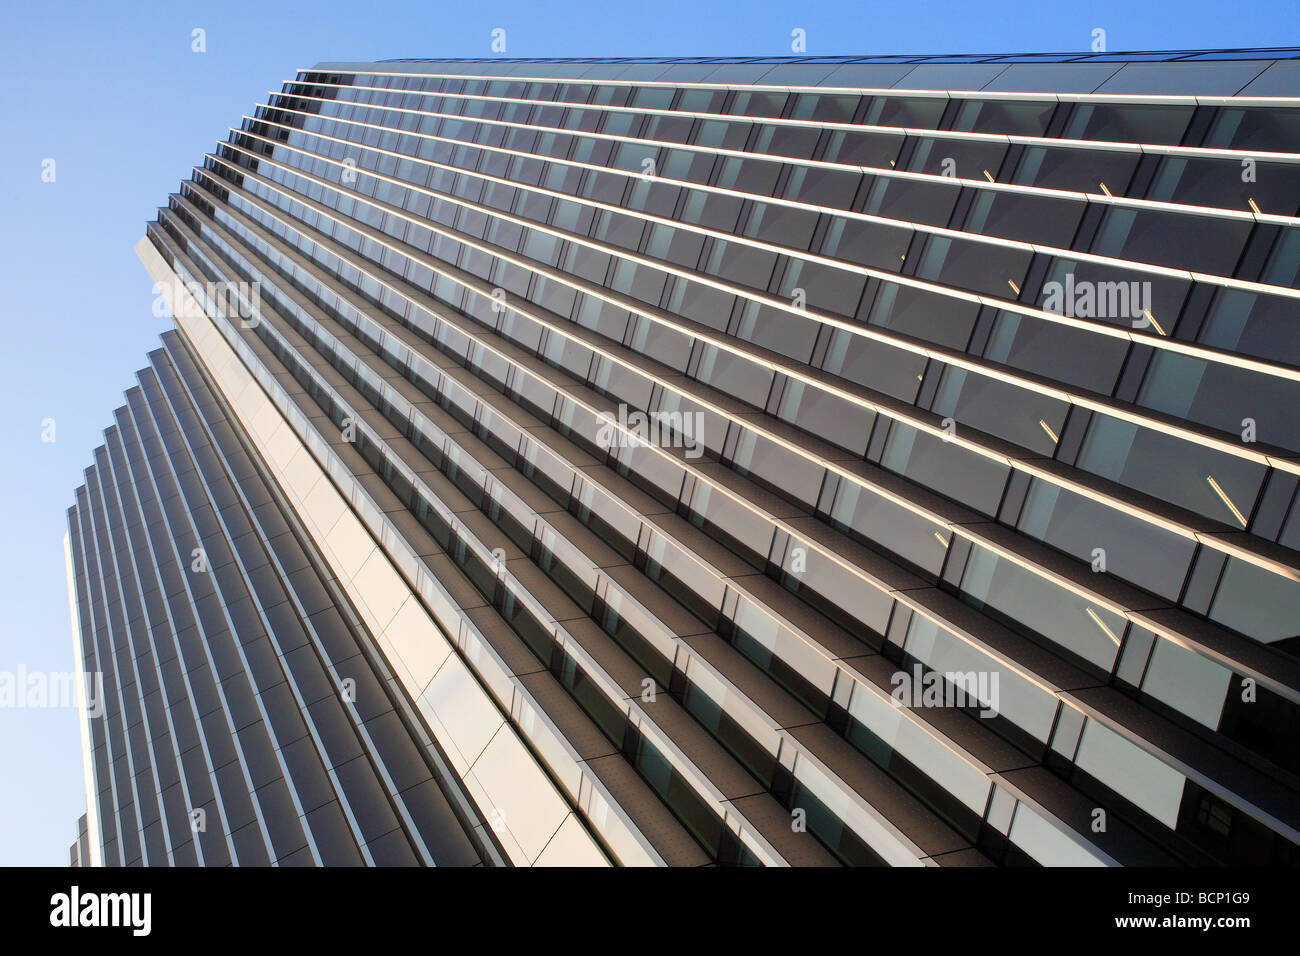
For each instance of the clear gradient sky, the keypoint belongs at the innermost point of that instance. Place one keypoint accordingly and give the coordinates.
(113, 93)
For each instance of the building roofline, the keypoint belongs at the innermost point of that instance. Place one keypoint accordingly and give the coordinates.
(1131, 56)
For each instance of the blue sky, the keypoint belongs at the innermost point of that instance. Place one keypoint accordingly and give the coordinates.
(113, 93)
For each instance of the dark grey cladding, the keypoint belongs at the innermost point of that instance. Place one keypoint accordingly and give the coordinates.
(891, 474)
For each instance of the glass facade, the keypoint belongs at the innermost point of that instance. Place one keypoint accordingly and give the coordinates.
(714, 463)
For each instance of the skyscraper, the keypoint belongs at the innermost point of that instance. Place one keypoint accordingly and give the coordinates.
(804, 461)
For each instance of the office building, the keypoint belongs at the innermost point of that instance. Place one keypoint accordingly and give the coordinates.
(799, 461)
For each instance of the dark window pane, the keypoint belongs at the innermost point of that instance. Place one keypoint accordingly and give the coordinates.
(1129, 123)
(1003, 116)
(1172, 239)
(1076, 170)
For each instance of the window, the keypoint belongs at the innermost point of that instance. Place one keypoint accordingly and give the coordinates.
(1004, 116)
(876, 365)
(926, 315)
(945, 467)
(929, 203)
(1171, 239)
(1129, 123)
(908, 112)
(1076, 170)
